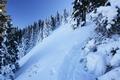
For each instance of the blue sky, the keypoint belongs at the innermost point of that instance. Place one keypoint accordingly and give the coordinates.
(24, 12)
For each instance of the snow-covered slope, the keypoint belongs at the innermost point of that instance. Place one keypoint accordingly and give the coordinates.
(79, 54)
(47, 59)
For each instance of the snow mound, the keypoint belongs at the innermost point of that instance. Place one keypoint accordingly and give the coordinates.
(96, 64)
(112, 75)
(106, 12)
(115, 61)
(115, 3)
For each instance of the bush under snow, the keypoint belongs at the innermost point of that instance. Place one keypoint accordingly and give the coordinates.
(96, 64)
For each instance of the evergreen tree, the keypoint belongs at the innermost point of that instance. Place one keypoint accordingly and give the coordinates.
(47, 28)
(13, 41)
(27, 37)
(8, 49)
(58, 19)
(39, 28)
(96, 3)
(65, 15)
(19, 35)
(107, 27)
(79, 11)
(53, 23)
(36, 32)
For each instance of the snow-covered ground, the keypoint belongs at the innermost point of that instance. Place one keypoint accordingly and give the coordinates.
(65, 56)
(47, 61)
(79, 54)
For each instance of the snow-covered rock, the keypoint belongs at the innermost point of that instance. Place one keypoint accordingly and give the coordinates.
(115, 61)
(112, 75)
(96, 64)
(115, 3)
(91, 46)
(106, 12)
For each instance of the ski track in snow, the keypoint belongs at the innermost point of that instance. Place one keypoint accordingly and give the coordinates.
(54, 60)
(72, 69)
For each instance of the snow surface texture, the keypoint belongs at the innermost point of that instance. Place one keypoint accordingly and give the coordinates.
(69, 54)
(112, 75)
(96, 64)
(45, 60)
(108, 13)
(54, 60)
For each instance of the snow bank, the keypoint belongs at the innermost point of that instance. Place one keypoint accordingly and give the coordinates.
(115, 61)
(91, 46)
(115, 3)
(112, 75)
(96, 64)
(109, 12)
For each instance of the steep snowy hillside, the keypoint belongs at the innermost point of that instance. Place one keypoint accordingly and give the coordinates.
(91, 52)
(45, 61)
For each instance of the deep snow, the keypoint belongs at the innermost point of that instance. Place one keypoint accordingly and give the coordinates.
(69, 54)
(47, 59)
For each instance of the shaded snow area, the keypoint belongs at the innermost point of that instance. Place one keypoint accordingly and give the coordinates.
(104, 61)
(112, 75)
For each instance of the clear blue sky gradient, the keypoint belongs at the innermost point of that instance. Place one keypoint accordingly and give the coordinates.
(24, 12)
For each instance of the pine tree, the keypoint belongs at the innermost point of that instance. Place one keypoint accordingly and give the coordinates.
(13, 40)
(41, 26)
(47, 28)
(65, 15)
(27, 37)
(96, 3)
(105, 27)
(8, 49)
(53, 23)
(58, 19)
(79, 11)
(19, 35)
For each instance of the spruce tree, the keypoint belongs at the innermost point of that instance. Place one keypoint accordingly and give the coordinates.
(79, 11)
(6, 66)
(96, 3)
(41, 26)
(13, 41)
(8, 46)
(47, 28)
(65, 15)
(53, 23)
(58, 19)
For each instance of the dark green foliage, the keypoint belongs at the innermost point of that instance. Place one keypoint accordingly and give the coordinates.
(12, 48)
(41, 26)
(65, 15)
(8, 49)
(36, 32)
(115, 29)
(114, 51)
(53, 23)
(102, 23)
(96, 3)
(81, 7)
(79, 11)
(58, 21)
